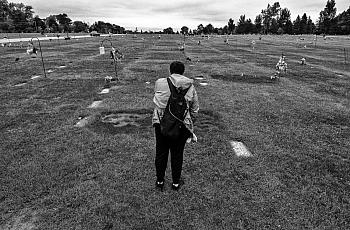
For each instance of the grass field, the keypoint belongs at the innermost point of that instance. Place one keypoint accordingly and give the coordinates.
(56, 175)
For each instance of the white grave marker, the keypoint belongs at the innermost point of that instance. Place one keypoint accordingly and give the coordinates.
(104, 91)
(95, 104)
(102, 50)
(240, 149)
(21, 84)
(83, 122)
(35, 77)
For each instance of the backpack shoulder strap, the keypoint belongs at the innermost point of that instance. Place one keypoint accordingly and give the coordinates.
(171, 87)
(174, 90)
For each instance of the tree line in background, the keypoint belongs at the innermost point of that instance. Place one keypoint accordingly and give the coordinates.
(17, 17)
(277, 20)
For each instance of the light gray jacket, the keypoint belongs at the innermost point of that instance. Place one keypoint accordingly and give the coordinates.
(162, 94)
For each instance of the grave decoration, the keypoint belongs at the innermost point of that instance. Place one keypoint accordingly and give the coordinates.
(281, 65)
(226, 40)
(114, 54)
(108, 79)
(105, 91)
(31, 49)
(253, 44)
(182, 47)
(102, 50)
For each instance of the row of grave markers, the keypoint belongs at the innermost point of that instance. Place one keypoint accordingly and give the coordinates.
(33, 50)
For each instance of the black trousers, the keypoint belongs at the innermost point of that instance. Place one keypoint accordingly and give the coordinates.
(176, 147)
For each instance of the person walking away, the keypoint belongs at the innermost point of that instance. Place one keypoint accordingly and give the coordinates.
(173, 127)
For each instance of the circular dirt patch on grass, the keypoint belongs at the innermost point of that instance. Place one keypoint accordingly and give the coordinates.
(246, 78)
(114, 122)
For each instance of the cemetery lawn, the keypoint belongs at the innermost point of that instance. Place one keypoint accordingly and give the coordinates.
(56, 175)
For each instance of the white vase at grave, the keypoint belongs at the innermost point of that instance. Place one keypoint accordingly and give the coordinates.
(102, 50)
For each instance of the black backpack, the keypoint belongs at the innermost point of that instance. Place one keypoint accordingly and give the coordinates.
(175, 111)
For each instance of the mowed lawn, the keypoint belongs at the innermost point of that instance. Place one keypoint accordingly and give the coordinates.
(55, 174)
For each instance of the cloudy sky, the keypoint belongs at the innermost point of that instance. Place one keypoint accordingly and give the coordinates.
(160, 14)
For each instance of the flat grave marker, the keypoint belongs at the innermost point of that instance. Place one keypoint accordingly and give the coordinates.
(84, 121)
(35, 77)
(104, 91)
(95, 104)
(21, 84)
(240, 149)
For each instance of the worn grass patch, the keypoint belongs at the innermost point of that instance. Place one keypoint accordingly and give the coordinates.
(124, 121)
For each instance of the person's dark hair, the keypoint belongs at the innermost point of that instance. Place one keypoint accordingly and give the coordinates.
(177, 67)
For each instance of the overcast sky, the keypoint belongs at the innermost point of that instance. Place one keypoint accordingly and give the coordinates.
(160, 14)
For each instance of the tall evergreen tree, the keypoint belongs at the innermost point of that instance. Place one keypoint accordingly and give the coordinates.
(284, 21)
(241, 25)
(258, 23)
(310, 26)
(268, 14)
(297, 25)
(326, 19)
(343, 21)
(231, 26)
(303, 24)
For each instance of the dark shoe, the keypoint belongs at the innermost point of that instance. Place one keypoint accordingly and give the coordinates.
(176, 187)
(160, 185)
